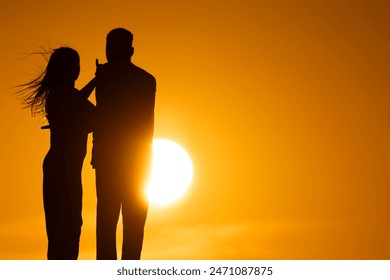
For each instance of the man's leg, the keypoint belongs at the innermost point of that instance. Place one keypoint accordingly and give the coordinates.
(108, 208)
(134, 210)
(134, 218)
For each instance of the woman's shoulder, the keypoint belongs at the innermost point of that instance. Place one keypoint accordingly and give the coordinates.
(81, 100)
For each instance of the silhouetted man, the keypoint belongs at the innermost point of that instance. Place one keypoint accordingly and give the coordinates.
(122, 146)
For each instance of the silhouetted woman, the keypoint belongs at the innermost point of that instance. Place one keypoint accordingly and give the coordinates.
(69, 114)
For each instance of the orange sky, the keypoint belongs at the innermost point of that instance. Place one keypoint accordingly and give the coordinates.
(282, 105)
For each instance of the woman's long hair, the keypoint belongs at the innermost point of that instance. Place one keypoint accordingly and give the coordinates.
(63, 66)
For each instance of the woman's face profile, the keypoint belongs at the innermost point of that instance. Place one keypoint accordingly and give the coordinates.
(75, 68)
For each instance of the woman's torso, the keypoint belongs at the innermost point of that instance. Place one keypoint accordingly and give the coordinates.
(70, 120)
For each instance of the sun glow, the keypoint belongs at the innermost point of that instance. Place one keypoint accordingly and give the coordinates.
(172, 172)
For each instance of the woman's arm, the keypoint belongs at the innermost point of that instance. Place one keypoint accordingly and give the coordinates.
(87, 90)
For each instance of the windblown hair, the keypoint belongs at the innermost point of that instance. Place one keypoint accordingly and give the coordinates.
(61, 65)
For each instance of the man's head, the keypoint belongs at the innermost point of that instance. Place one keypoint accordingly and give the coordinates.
(119, 45)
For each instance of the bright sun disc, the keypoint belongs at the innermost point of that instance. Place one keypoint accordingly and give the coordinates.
(171, 172)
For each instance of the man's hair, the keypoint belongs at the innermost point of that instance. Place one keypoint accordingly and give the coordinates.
(119, 44)
(121, 35)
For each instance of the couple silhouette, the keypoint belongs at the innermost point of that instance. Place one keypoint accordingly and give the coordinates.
(122, 124)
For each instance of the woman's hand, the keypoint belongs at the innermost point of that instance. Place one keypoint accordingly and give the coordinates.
(99, 68)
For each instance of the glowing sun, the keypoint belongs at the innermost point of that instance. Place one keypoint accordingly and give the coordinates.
(171, 172)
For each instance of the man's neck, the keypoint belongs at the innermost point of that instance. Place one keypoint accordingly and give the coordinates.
(121, 63)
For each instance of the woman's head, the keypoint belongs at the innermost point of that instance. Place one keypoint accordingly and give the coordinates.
(63, 67)
(62, 70)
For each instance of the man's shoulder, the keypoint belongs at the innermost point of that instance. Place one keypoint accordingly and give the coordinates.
(144, 74)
